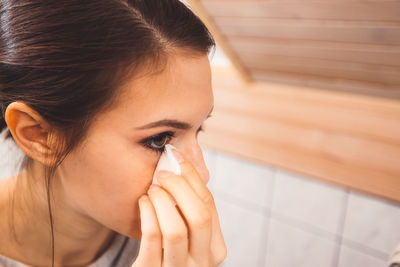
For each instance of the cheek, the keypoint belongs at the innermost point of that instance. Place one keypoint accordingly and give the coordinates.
(104, 180)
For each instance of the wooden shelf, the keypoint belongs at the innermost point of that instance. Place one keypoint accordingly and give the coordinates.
(342, 138)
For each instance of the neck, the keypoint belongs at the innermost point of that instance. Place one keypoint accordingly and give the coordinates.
(78, 239)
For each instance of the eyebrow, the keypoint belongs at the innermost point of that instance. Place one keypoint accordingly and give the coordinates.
(170, 123)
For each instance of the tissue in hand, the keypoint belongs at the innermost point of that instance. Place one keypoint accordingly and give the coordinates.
(167, 162)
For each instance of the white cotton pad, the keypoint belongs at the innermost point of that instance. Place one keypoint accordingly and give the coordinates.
(167, 162)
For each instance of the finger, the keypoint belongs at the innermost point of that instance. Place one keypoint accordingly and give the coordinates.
(173, 228)
(218, 246)
(195, 212)
(193, 178)
(150, 251)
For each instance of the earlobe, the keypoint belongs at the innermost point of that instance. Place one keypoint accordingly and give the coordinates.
(30, 131)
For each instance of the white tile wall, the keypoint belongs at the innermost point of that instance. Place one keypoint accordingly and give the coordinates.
(308, 200)
(372, 222)
(243, 233)
(274, 218)
(245, 180)
(350, 257)
(289, 246)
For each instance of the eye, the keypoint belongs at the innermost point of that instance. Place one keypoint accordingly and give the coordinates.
(157, 142)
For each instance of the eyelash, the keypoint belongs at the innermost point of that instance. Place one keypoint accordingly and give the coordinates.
(169, 135)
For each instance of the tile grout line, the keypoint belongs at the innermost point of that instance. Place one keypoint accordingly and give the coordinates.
(340, 228)
(262, 260)
(348, 243)
(240, 202)
(304, 226)
(365, 249)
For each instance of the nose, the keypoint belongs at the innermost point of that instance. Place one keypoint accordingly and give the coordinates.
(194, 153)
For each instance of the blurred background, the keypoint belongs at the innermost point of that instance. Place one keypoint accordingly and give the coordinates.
(304, 143)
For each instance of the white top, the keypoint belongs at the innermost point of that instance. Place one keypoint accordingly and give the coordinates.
(121, 253)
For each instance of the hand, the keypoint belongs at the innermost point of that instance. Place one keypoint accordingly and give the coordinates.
(185, 235)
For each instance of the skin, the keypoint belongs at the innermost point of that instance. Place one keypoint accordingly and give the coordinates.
(98, 186)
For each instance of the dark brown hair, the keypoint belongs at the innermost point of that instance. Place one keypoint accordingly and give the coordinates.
(66, 58)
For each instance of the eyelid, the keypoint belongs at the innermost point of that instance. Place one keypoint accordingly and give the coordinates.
(165, 133)
(147, 141)
(171, 134)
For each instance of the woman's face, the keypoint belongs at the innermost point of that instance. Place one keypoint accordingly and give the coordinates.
(104, 177)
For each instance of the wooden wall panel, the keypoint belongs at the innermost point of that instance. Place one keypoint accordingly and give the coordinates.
(330, 68)
(351, 45)
(326, 10)
(297, 29)
(370, 54)
(329, 49)
(327, 83)
(345, 139)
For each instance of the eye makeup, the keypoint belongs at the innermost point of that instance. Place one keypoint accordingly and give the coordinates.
(157, 142)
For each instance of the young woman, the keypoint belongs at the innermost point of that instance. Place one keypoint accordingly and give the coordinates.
(91, 91)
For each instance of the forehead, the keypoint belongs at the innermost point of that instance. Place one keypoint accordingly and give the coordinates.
(183, 90)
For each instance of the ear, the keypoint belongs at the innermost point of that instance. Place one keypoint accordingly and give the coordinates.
(30, 131)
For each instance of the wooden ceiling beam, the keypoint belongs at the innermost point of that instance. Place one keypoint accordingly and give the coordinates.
(199, 10)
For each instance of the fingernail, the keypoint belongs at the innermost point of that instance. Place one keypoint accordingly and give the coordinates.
(154, 187)
(144, 197)
(163, 173)
(177, 156)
